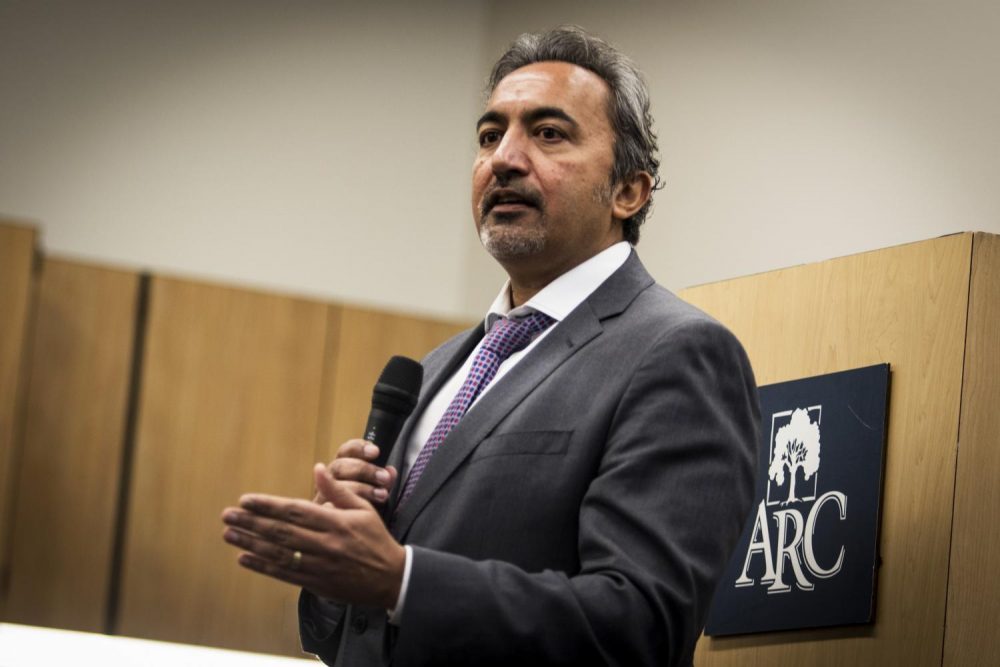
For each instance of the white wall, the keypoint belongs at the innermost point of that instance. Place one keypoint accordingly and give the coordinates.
(325, 148)
(313, 147)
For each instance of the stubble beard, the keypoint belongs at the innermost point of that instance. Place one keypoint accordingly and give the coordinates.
(511, 240)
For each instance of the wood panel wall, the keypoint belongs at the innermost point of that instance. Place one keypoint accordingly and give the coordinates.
(907, 306)
(365, 341)
(241, 391)
(234, 391)
(17, 255)
(973, 594)
(79, 370)
(229, 403)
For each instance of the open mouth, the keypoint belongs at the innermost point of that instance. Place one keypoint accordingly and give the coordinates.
(509, 200)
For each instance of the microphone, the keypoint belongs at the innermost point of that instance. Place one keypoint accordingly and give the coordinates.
(393, 399)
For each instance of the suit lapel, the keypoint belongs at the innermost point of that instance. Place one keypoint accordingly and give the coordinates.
(568, 336)
(437, 369)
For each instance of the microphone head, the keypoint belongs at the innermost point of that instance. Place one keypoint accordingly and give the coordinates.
(404, 373)
(398, 386)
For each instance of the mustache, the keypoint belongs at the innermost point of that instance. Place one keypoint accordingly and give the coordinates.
(497, 193)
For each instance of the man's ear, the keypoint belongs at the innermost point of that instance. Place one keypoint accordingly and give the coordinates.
(630, 195)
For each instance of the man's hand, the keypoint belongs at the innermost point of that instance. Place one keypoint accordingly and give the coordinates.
(353, 468)
(345, 551)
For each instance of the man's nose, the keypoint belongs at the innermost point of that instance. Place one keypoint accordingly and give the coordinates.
(510, 157)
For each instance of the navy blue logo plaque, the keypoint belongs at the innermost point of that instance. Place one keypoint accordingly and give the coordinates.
(808, 555)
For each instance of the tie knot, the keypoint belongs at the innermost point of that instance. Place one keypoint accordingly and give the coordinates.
(507, 336)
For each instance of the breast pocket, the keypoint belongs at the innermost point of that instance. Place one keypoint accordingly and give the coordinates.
(524, 443)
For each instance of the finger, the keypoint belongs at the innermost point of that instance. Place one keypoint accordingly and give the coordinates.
(274, 531)
(393, 476)
(280, 556)
(373, 494)
(292, 510)
(358, 449)
(356, 470)
(304, 576)
(263, 566)
(337, 492)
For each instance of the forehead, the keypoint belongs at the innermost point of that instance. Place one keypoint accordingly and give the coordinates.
(576, 90)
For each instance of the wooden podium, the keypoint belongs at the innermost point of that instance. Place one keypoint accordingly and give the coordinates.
(932, 310)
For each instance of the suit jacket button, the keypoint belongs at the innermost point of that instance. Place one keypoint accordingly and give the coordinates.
(359, 624)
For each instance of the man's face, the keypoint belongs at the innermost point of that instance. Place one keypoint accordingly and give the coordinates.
(541, 193)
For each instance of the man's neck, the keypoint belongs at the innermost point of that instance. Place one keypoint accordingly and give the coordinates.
(520, 294)
(527, 278)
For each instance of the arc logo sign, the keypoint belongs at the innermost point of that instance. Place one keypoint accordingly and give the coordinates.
(809, 552)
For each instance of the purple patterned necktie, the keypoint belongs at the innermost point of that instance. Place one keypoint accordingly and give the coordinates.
(505, 337)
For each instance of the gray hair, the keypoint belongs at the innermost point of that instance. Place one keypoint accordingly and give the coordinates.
(628, 109)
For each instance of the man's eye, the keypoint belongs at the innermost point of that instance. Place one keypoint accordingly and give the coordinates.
(550, 134)
(489, 137)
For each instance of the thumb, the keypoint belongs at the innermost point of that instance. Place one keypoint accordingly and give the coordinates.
(335, 492)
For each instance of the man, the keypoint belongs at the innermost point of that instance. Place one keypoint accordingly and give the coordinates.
(579, 506)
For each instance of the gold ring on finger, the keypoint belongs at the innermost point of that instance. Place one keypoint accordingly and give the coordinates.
(296, 560)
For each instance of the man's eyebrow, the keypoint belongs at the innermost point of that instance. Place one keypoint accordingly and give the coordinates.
(542, 113)
(490, 117)
(532, 116)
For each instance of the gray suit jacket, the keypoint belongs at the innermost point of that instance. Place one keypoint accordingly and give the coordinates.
(583, 511)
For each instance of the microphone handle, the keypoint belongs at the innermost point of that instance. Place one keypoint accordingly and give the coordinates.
(382, 429)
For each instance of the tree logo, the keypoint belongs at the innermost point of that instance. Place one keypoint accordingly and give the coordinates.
(795, 450)
(795, 458)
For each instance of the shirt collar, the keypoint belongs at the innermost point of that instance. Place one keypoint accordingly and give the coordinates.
(565, 293)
